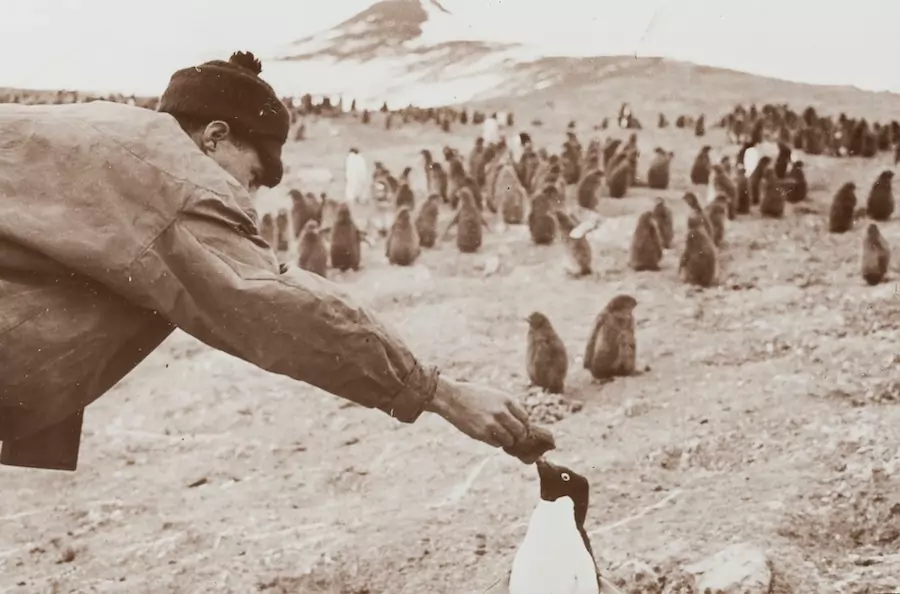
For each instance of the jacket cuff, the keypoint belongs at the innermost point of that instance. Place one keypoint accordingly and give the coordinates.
(418, 391)
(51, 448)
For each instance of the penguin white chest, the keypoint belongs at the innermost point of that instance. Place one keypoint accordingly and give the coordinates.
(751, 159)
(552, 558)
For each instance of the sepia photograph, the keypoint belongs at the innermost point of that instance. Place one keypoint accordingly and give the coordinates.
(449, 297)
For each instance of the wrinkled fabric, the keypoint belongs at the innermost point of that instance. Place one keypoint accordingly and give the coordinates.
(114, 230)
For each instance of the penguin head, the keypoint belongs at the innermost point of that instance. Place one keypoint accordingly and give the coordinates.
(560, 481)
(343, 213)
(537, 320)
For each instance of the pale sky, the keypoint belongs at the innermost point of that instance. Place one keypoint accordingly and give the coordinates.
(134, 47)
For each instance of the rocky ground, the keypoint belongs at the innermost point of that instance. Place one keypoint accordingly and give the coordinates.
(758, 453)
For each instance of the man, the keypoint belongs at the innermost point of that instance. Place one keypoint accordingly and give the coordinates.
(357, 178)
(118, 224)
(490, 129)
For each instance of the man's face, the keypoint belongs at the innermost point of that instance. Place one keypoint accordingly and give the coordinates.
(241, 161)
(238, 158)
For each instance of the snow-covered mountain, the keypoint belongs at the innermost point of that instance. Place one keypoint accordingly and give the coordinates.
(417, 51)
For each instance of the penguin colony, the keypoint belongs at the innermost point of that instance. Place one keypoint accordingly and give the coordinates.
(557, 198)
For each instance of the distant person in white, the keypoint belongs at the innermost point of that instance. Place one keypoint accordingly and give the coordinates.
(357, 178)
(491, 130)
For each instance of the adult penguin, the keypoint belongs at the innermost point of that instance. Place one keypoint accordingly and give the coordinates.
(556, 556)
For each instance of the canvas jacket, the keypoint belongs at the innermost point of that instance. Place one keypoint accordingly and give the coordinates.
(115, 229)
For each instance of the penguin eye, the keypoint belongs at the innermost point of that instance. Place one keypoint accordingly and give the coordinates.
(565, 476)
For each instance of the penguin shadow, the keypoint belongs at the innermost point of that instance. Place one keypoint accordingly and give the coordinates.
(570, 274)
(582, 386)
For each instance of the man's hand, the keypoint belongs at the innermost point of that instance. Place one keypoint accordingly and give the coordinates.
(482, 413)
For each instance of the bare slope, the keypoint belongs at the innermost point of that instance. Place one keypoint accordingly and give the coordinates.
(764, 417)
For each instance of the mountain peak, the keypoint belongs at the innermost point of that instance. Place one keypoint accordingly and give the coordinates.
(381, 28)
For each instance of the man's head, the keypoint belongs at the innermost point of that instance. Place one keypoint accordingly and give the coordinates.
(233, 115)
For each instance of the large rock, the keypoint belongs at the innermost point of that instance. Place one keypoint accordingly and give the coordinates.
(738, 569)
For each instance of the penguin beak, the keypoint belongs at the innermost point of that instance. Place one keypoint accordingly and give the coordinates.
(546, 473)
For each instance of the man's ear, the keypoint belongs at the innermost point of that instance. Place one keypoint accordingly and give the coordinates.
(215, 132)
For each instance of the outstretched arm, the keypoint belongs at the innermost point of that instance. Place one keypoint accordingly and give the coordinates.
(211, 275)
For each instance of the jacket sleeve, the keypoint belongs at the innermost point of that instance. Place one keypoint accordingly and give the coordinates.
(212, 275)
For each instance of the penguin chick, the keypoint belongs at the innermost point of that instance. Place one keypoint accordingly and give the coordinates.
(405, 197)
(437, 180)
(797, 189)
(304, 208)
(469, 221)
(511, 195)
(556, 553)
(619, 179)
(716, 214)
(456, 176)
(772, 196)
(880, 205)
(345, 241)
(725, 162)
(609, 150)
(876, 255)
(469, 182)
(701, 167)
(756, 178)
(427, 221)
(541, 222)
(571, 168)
(555, 194)
(782, 160)
(646, 244)
(267, 228)
(578, 250)
(546, 359)
(742, 191)
(723, 186)
(588, 188)
(658, 172)
(313, 255)
(402, 246)
(840, 217)
(611, 347)
(429, 177)
(698, 265)
(662, 214)
(282, 226)
(691, 200)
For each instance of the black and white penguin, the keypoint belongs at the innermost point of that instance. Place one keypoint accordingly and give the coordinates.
(555, 556)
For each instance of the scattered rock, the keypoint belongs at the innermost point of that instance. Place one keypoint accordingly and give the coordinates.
(67, 555)
(848, 515)
(738, 569)
(549, 408)
(480, 544)
(637, 576)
